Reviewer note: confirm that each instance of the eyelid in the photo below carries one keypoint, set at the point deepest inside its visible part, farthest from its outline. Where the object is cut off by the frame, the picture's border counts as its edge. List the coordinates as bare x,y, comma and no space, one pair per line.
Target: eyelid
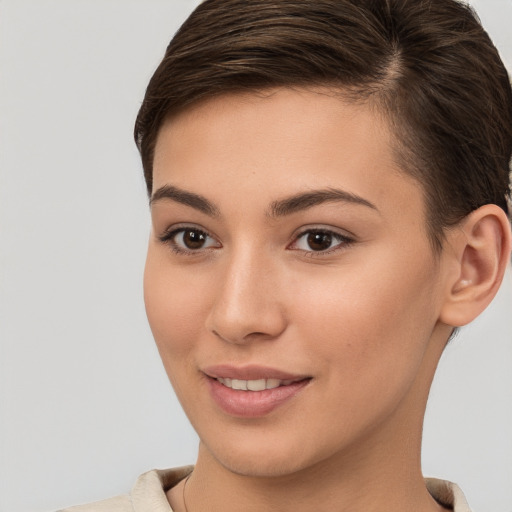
345,239
167,237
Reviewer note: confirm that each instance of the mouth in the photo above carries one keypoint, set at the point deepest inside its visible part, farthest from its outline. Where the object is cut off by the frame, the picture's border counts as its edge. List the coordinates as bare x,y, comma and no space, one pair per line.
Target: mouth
255,385
252,391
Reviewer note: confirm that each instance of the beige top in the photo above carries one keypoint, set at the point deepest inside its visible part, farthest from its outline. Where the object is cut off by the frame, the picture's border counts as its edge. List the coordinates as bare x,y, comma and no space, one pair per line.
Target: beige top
148,494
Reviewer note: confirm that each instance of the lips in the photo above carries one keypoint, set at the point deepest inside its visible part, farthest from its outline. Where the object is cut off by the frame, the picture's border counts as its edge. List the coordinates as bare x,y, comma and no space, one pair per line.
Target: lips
252,391
250,372
253,385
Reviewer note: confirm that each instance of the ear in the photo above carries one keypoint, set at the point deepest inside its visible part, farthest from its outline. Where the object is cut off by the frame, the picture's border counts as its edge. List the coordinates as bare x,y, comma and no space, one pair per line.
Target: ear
477,259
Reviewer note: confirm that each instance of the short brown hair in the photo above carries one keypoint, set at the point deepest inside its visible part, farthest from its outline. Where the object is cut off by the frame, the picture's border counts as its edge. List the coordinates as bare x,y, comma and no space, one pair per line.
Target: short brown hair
428,65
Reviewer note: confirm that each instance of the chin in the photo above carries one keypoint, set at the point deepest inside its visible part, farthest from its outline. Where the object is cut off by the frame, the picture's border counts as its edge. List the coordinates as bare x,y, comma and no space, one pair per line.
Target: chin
263,460
260,466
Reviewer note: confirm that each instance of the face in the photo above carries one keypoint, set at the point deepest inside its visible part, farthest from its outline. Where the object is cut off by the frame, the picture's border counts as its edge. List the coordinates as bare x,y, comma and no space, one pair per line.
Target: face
290,256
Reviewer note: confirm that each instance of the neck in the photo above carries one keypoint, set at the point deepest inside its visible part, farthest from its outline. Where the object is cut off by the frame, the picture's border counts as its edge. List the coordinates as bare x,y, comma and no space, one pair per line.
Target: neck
362,480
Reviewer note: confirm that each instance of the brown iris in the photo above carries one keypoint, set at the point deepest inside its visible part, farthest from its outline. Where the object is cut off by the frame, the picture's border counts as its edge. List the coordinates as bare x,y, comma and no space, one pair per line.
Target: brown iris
193,239
319,241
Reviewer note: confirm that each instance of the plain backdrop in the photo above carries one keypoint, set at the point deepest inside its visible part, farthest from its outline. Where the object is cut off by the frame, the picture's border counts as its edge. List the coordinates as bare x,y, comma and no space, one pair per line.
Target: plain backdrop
85,404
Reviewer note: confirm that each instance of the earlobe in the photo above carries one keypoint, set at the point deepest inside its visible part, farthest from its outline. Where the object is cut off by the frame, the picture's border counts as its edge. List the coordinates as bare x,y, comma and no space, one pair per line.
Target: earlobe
481,251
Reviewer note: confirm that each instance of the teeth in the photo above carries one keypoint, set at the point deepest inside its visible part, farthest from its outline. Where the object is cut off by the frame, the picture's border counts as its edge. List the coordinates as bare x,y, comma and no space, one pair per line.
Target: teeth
239,384
273,383
256,385
253,385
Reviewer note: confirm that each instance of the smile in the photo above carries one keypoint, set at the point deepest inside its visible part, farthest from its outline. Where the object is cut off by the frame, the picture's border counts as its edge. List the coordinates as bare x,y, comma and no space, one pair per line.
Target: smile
252,391
253,385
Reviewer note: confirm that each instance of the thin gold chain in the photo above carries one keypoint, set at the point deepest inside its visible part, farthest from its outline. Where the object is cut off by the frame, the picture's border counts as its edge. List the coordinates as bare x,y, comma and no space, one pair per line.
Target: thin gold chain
185,485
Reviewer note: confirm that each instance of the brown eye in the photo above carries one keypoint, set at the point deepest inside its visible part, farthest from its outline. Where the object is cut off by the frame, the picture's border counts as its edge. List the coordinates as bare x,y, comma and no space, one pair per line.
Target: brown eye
189,240
193,239
319,241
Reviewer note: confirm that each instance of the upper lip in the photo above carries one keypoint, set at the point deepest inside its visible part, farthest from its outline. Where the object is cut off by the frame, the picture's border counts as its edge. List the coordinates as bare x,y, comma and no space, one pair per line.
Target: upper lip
250,372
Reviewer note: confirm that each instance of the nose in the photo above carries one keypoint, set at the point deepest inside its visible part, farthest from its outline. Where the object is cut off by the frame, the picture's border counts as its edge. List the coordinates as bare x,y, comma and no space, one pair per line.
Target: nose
247,303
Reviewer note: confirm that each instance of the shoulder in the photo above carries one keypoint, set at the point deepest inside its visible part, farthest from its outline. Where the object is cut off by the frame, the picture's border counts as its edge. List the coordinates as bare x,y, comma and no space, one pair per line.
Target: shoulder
117,504
447,494
147,495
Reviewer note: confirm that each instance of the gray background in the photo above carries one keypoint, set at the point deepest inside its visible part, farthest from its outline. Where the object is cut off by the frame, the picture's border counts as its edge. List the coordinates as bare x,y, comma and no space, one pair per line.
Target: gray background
85,405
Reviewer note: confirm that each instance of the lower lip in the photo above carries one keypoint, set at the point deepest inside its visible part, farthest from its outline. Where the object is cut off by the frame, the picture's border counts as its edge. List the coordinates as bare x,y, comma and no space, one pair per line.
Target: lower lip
252,404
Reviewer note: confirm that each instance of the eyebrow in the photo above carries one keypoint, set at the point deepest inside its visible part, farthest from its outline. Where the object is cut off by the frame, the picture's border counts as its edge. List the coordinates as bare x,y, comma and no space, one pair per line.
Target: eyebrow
279,208
195,201
306,200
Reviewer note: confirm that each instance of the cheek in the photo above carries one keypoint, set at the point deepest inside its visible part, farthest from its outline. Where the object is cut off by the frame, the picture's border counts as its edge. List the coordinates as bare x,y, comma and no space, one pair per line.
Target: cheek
373,323
174,307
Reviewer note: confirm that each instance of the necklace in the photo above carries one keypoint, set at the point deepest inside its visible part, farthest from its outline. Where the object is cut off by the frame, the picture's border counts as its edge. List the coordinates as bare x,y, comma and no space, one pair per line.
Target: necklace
183,496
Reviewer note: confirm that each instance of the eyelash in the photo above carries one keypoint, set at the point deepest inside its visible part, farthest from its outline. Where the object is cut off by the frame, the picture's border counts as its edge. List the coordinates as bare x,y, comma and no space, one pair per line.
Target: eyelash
343,241
169,238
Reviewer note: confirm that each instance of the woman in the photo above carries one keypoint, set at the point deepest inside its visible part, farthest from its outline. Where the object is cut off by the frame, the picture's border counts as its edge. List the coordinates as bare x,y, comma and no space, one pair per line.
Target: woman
328,185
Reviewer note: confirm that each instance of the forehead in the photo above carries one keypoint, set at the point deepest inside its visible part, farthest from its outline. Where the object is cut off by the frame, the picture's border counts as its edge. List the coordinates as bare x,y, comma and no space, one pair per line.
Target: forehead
282,142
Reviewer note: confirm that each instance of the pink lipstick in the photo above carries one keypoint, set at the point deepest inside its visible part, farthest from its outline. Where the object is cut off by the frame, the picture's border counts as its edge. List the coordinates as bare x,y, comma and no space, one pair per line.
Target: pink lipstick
252,391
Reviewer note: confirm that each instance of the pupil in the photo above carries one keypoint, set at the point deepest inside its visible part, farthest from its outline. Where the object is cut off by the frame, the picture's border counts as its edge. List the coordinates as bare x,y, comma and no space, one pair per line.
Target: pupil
193,239
319,241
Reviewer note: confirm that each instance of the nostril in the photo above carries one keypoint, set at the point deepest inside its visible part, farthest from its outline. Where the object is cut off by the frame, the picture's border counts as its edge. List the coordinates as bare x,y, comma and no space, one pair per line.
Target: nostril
238,320
258,335
246,338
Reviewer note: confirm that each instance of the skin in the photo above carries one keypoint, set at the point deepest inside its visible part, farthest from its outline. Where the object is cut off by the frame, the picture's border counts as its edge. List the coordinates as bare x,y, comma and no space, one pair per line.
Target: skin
365,319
